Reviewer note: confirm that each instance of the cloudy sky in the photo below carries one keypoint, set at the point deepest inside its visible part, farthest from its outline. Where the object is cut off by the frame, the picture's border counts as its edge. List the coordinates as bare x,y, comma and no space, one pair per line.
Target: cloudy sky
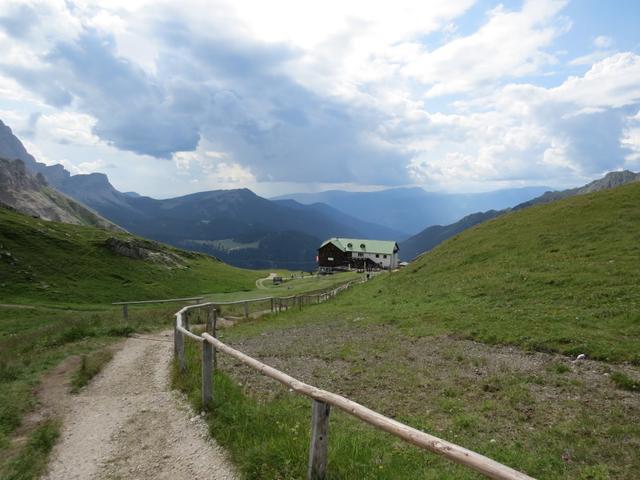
172,97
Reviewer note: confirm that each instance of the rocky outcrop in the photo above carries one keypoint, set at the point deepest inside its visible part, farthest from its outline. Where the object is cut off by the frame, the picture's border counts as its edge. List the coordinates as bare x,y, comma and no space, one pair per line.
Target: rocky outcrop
139,249
610,180
30,194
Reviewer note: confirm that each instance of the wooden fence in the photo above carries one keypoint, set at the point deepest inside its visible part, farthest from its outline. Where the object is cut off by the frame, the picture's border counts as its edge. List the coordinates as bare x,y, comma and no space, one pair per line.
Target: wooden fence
322,401
125,305
282,304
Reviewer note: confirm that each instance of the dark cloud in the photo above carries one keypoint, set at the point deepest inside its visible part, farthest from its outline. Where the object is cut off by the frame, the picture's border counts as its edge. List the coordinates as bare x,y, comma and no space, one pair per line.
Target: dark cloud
134,111
231,90
592,139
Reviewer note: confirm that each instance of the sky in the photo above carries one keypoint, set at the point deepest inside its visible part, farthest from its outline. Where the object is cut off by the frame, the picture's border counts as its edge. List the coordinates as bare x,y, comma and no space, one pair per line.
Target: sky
174,97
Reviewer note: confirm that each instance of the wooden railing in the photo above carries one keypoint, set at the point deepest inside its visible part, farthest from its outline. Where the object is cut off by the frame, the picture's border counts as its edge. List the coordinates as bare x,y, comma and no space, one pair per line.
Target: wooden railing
281,304
125,305
322,401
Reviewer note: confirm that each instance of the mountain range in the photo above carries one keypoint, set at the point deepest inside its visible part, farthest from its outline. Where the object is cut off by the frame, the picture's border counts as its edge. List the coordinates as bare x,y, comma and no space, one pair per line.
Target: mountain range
247,230
432,236
411,209
30,194
236,226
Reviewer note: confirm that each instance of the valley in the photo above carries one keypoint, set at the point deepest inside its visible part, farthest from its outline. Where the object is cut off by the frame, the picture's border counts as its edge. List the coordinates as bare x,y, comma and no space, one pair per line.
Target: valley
323,240
517,339
513,334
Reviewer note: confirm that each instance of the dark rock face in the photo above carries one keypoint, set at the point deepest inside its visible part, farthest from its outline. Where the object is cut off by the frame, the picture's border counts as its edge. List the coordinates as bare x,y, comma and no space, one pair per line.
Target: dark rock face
12,148
144,250
14,176
30,194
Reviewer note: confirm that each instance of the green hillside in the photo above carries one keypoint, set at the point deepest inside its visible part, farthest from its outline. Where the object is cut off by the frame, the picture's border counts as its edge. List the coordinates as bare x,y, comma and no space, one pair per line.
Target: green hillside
55,262
560,277
469,343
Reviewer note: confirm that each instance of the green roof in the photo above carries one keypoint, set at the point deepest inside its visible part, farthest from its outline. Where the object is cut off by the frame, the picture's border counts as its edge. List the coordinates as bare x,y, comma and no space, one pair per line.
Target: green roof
386,247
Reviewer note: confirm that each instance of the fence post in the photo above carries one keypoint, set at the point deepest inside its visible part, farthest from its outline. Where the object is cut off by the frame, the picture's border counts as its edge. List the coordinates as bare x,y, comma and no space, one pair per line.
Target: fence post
271,304
318,447
300,302
185,320
125,311
180,350
214,334
211,318
207,375
246,310
175,340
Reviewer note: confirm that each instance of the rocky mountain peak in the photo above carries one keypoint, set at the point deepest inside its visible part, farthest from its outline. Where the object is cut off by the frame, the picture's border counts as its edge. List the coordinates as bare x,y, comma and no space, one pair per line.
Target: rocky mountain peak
14,176
611,180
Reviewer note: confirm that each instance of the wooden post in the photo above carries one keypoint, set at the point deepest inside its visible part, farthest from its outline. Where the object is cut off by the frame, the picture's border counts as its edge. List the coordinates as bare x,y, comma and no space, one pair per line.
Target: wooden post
180,349
318,447
214,334
246,310
185,320
125,311
300,302
271,304
211,316
175,341
207,375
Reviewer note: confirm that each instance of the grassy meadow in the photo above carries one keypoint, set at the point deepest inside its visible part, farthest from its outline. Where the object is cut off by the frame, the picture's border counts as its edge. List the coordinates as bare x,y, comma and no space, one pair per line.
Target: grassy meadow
475,342
51,262
57,282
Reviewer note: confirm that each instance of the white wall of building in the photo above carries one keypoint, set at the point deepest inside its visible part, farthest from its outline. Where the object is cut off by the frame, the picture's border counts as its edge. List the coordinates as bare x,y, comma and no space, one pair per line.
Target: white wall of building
390,262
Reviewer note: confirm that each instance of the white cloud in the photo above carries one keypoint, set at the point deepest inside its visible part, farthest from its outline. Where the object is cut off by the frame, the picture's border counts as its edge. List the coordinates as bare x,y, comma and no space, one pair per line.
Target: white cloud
590,58
212,169
286,91
630,140
528,133
611,83
68,127
602,41
509,44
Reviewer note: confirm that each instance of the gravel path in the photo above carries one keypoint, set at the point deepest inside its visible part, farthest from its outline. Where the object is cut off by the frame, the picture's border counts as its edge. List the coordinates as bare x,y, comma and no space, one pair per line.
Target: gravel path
129,424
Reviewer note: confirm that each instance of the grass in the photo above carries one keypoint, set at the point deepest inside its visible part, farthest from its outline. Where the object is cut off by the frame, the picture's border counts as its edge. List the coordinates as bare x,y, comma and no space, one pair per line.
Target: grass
527,410
72,315
625,382
467,343
31,462
90,365
270,440
50,262
543,279
470,343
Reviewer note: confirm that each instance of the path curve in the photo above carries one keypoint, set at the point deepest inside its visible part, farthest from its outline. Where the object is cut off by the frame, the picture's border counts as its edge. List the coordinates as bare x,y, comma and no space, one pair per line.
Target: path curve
129,424
260,284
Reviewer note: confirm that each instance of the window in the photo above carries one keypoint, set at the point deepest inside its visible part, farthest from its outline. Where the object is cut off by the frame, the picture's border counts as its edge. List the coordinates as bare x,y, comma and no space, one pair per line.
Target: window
384,256
362,246
377,255
349,245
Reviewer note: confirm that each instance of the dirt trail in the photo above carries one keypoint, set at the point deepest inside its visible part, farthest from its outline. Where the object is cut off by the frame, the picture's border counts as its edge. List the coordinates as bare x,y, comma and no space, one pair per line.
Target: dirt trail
129,424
